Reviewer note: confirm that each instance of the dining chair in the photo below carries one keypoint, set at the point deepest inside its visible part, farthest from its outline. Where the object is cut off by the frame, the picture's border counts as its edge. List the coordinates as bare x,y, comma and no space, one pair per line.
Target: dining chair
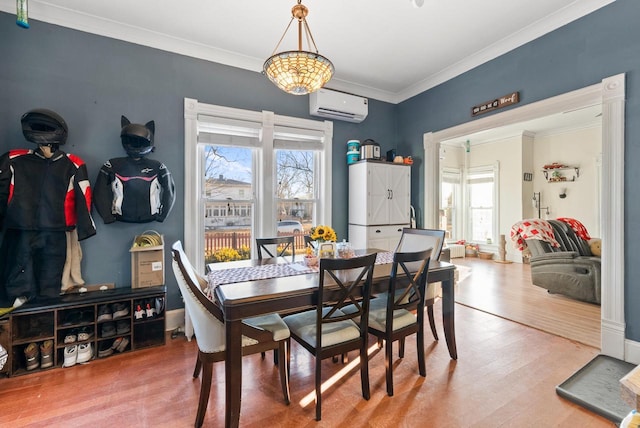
413,240
259,334
326,331
404,307
282,243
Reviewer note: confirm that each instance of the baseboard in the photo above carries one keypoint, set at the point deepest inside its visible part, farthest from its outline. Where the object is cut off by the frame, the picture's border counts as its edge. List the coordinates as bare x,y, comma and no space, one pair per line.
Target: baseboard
175,319
632,351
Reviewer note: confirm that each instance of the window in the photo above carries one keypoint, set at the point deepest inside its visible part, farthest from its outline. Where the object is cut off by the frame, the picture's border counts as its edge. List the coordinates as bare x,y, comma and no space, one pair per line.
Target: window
248,170
450,200
482,212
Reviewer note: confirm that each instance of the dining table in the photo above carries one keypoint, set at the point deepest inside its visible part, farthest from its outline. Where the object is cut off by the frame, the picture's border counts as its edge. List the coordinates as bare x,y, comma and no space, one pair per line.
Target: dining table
249,288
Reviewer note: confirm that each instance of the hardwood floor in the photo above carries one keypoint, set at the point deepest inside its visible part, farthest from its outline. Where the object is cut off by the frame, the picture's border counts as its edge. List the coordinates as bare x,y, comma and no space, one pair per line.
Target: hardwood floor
506,290
505,376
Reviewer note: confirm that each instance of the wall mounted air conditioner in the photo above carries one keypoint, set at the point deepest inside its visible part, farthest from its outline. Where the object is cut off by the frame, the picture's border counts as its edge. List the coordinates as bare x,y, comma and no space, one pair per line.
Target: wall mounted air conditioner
338,105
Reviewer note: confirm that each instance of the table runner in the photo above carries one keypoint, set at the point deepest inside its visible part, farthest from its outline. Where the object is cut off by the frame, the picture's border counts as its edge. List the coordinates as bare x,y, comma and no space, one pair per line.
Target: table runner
253,273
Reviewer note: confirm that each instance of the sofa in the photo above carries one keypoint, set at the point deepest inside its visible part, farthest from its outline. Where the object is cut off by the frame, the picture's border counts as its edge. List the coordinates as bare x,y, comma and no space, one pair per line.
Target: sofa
565,266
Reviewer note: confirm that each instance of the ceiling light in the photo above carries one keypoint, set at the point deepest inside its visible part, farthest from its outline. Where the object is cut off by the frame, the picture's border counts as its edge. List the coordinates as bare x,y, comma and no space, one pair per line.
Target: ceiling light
416,3
299,72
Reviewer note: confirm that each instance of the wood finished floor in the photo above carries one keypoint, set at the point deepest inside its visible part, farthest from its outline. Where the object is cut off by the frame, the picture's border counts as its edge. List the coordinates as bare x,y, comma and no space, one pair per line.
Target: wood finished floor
505,376
506,290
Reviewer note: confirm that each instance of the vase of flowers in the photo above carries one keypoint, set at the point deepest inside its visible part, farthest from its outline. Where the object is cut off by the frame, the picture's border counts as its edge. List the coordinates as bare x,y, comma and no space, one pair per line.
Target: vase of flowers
325,240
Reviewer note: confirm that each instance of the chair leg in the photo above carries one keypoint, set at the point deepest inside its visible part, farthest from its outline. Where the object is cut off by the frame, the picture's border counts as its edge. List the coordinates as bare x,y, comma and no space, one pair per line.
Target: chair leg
388,359
318,388
401,348
275,357
283,369
364,370
432,321
196,370
420,343
205,389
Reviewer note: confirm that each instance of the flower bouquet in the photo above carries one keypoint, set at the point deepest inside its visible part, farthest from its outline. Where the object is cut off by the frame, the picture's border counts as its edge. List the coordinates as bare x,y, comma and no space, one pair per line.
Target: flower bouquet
325,240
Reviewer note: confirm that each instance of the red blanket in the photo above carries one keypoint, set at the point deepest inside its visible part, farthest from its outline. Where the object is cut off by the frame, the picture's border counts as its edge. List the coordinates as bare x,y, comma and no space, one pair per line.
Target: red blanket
534,228
577,227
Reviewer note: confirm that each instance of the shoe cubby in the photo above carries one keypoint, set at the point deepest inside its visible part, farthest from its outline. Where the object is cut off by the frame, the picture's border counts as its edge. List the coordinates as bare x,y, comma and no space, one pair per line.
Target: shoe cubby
78,328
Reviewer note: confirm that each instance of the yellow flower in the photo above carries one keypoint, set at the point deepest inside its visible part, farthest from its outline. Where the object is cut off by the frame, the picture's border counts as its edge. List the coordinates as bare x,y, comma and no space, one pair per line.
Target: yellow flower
324,233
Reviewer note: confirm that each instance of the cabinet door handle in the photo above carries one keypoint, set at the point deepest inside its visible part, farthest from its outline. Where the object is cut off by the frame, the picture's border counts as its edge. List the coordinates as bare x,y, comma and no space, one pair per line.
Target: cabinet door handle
391,193
378,231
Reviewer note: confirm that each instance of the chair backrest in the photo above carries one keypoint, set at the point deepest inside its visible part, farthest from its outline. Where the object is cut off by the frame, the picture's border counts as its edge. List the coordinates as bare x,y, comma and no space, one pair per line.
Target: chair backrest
344,282
283,244
413,240
206,316
414,282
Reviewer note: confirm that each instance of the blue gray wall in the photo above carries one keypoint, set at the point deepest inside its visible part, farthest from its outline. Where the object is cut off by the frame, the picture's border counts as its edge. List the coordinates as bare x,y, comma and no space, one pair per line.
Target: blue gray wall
582,53
92,80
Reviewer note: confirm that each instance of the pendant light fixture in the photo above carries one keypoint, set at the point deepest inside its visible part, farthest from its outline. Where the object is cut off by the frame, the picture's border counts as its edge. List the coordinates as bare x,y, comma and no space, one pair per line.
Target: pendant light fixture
299,72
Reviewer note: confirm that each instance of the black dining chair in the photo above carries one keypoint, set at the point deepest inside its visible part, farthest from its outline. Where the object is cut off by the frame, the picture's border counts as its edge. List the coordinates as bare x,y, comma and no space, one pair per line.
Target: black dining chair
283,244
327,331
404,306
413,240
259,333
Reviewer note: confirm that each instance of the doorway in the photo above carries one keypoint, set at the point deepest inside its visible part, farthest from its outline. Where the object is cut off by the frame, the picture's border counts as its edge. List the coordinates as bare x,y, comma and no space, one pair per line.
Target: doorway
610,94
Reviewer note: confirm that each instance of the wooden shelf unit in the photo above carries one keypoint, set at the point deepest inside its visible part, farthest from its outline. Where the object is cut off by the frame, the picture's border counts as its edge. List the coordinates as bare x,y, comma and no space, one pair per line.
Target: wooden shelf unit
54,318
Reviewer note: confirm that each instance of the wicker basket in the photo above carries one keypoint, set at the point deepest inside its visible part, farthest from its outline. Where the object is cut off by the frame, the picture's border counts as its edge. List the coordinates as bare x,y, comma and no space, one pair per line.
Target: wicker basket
485,255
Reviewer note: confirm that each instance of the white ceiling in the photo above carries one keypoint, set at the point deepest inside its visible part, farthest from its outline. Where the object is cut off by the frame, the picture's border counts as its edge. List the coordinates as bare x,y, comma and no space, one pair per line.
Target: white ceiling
389,50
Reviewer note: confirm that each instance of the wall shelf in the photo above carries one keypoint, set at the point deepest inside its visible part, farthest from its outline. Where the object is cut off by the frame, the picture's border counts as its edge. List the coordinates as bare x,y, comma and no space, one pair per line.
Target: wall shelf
560,174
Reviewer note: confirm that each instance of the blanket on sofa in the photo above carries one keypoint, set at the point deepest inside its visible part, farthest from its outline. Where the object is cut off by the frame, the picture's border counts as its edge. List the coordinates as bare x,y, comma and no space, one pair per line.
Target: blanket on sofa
577,227
534,228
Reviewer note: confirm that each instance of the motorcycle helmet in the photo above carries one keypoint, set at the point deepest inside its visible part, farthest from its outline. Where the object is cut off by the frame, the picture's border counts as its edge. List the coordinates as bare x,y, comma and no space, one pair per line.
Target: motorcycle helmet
42,126
137,139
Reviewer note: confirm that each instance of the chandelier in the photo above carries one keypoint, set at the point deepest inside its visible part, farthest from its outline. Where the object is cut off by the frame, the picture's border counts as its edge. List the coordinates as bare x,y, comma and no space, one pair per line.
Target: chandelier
299,72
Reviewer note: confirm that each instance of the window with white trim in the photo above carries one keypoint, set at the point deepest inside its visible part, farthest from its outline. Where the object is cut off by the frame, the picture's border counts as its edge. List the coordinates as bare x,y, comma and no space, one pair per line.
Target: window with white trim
450,201
482,212
237,163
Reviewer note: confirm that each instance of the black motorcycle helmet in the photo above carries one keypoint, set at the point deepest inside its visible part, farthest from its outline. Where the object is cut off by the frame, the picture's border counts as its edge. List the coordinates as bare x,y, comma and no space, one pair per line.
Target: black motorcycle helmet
137,139
42,126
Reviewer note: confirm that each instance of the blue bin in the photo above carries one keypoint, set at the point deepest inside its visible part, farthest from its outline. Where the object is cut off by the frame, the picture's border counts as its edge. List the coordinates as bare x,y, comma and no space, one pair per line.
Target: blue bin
352,157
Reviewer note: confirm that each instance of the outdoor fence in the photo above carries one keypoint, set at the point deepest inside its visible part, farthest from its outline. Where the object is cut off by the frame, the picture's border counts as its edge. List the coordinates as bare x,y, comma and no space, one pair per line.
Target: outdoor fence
215,240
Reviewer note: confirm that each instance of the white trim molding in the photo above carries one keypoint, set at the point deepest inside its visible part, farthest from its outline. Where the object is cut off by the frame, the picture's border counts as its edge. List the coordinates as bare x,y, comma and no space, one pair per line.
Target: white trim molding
611,94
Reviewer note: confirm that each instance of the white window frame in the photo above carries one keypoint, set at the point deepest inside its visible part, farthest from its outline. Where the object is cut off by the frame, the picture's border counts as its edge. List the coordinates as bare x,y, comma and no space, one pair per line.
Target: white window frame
454,176
265,221
494,170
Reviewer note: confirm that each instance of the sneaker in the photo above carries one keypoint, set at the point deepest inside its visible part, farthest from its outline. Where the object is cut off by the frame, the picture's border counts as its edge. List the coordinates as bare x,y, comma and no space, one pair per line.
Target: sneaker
139,313
85,333
120,310
4,357
70,355
85,352
46,354
32,356
123,327
108,329
105,349
123,344
104,313
150,310
71,337
116,343
159,305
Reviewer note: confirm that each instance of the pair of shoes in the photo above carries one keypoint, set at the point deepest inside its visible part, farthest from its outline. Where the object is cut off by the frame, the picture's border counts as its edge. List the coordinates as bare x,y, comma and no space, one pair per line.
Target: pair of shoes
32,356
70,355
123,327
46,354
108,329
71,318
147,309
85,352
120,344
120,310
85,333
105,313
105,349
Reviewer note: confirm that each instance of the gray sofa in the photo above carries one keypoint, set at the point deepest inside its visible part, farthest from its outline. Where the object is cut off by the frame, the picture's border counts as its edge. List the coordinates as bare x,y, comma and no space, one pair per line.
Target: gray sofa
570,270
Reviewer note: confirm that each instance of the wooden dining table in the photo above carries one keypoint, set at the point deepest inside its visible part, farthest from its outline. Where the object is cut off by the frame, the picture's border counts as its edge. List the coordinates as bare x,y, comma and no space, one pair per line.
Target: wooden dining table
240,300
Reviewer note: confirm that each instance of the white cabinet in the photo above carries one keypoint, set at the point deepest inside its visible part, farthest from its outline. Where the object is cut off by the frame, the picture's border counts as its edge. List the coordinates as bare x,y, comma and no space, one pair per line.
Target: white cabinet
379,193
379,204
381,237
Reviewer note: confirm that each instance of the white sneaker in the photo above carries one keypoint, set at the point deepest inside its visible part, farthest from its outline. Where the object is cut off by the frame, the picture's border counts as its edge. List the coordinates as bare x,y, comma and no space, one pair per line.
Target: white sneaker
70,355
85,352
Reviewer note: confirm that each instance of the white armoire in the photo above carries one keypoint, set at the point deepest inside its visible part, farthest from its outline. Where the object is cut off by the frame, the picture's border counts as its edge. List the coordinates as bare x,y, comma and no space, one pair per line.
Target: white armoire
379,203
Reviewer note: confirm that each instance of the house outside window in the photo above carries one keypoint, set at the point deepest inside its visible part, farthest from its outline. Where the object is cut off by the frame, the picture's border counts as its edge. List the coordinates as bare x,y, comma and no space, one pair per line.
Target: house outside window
482,215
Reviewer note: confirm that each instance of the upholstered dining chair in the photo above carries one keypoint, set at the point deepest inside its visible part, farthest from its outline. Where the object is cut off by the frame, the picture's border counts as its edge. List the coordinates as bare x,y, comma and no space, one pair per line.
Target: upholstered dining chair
259,334
413,240
405,309
282,243
326,331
